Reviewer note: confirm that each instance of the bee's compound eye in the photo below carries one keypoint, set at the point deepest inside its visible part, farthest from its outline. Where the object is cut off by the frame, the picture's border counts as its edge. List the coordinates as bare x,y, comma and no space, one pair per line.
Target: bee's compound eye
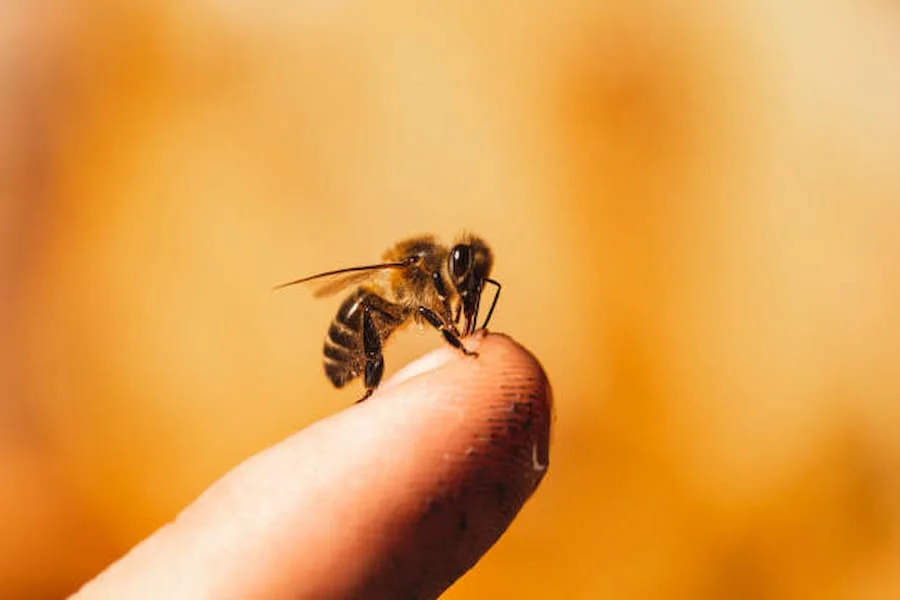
460,261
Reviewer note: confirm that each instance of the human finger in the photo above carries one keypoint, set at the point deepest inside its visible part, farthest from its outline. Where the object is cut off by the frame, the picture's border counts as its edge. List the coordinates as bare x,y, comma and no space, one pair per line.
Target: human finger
395,497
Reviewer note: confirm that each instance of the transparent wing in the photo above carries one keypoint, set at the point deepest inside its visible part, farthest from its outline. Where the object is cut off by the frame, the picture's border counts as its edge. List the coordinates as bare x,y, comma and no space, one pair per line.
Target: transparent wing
326,286
332,282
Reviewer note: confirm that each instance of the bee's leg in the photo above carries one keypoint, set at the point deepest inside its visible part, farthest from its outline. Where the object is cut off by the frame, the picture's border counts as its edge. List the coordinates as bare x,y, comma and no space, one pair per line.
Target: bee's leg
372,348
438,281
449,335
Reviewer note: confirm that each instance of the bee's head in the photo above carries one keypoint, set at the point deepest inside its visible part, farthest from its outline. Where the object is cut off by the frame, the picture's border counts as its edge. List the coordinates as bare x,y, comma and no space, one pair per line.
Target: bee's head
468,264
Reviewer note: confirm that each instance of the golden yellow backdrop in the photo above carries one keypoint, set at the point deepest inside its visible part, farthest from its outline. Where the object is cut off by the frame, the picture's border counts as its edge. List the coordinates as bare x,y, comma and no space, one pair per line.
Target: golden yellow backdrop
695,212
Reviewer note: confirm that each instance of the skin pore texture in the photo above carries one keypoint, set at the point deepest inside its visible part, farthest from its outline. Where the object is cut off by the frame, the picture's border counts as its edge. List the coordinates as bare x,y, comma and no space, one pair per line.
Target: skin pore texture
395,497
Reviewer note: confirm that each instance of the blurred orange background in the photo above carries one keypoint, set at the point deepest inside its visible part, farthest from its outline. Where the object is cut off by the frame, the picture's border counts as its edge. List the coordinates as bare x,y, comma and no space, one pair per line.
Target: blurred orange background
695,212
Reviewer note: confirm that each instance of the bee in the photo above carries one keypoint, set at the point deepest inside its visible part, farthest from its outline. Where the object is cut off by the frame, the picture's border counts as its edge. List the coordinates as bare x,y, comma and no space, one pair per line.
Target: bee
419,281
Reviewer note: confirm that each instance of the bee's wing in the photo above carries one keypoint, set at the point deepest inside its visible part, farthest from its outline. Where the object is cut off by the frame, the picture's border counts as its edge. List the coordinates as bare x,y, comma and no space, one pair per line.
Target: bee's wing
332,282
326,286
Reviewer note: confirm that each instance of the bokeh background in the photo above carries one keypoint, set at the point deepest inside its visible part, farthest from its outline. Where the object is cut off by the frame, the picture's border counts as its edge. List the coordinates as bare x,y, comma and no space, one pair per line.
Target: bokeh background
695,209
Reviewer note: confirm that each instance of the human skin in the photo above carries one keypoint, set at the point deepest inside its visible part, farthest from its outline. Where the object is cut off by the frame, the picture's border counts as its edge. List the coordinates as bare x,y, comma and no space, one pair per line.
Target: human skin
395,497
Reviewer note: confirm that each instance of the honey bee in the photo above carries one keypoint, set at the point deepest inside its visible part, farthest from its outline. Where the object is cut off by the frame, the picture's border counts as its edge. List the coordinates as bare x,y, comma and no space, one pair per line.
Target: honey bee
420,280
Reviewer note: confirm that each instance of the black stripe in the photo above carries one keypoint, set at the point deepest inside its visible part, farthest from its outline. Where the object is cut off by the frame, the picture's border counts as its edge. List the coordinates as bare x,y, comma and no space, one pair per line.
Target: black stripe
337,353
345,317
341,335
339,373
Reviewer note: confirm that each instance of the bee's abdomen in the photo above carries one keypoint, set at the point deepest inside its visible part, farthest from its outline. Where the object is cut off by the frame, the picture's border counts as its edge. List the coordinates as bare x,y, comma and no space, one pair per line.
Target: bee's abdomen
344,354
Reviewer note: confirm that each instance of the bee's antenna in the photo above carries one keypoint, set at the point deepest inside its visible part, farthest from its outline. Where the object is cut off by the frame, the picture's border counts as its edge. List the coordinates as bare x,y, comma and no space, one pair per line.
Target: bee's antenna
393,265
493,302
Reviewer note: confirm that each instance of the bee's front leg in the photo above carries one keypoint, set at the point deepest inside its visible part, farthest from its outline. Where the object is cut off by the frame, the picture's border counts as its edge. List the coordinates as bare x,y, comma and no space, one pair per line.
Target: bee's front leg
449,335
438,282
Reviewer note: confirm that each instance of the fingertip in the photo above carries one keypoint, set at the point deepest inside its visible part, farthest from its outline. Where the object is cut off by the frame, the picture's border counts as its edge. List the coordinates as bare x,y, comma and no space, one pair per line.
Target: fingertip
507,390
503,390
482,448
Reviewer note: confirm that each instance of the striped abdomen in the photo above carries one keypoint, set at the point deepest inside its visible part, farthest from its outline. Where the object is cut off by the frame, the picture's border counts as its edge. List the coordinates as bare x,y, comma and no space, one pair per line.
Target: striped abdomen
345,356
